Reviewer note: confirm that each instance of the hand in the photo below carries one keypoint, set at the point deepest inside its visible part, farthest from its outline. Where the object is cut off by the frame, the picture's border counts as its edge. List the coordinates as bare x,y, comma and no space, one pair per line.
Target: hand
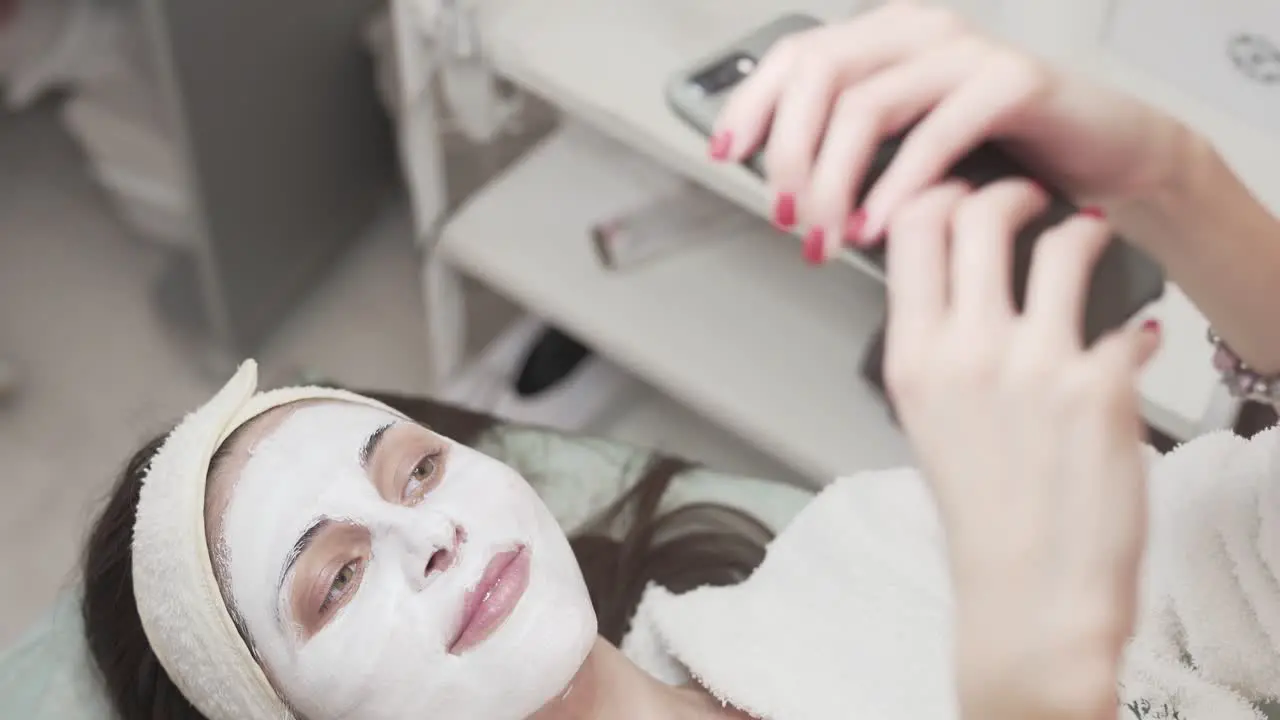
829,96
1031,443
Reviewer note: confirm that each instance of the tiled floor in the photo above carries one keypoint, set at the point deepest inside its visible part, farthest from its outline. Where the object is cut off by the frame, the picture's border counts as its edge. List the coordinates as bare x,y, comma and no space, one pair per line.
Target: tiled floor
100,374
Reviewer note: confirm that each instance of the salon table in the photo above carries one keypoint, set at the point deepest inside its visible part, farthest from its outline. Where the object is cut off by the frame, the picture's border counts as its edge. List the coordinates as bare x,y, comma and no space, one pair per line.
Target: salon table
739,330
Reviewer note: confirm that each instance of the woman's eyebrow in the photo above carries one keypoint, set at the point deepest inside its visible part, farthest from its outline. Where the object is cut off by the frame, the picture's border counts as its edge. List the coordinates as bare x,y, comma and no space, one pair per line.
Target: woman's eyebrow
304,541
371,443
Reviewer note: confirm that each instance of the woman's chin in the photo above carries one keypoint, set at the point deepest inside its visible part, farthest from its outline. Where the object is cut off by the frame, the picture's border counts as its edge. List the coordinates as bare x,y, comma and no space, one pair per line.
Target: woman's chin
562,657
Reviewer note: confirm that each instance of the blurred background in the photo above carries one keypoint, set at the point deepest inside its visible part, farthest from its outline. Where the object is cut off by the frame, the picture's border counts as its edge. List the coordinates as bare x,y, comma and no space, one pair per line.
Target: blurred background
130,271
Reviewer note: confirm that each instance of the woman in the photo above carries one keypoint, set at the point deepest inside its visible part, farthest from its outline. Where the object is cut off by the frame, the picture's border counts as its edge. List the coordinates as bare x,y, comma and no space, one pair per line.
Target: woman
313,554
616,569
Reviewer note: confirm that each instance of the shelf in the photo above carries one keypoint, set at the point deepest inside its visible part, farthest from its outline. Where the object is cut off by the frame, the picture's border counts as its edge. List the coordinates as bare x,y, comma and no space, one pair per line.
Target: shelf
541,46
1095,38
736,327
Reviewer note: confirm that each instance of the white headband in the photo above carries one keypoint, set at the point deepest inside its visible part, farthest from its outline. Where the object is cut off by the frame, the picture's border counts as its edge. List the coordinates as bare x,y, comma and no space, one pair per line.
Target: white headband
182,611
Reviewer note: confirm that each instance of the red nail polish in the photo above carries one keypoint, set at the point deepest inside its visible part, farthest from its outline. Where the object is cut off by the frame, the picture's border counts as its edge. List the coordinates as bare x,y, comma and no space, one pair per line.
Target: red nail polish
853,227
1094,212
814,247
1151,325
720,144
784,211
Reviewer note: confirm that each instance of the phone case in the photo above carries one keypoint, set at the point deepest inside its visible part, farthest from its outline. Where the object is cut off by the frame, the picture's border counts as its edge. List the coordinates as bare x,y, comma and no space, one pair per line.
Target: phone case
1125,279
699,109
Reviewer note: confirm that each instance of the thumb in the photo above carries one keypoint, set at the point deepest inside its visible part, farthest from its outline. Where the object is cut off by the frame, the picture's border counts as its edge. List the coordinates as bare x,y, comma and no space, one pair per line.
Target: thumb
1125,353
1146,342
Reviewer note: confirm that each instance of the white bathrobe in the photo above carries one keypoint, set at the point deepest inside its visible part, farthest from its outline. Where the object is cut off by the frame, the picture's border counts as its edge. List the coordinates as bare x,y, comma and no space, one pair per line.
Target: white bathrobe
849,615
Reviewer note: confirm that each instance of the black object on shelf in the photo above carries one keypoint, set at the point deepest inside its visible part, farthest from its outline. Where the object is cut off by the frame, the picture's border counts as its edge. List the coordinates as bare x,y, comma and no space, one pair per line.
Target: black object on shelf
553,357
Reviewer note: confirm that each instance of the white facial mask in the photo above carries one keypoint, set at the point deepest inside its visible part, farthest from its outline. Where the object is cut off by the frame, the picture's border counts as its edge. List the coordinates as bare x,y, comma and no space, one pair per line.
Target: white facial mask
384,655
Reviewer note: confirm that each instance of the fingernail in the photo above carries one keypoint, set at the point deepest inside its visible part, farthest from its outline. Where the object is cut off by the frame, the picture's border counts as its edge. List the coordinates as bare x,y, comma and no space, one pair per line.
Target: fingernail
720,144
784,210
1150,342
814,247
853,227
1094,212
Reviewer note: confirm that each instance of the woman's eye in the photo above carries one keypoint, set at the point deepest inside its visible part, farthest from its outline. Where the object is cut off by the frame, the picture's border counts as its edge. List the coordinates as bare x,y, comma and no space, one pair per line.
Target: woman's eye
343,583
420,480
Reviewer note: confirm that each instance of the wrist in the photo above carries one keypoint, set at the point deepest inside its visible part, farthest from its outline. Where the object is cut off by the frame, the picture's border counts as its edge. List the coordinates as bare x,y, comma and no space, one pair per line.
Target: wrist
1003,676
1165,210
1217,242
1027,660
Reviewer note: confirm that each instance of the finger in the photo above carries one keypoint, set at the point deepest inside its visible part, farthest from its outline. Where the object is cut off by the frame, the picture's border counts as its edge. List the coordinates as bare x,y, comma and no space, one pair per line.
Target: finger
1150,339
864,115
1000,85
916,265
855,48
985,229
1118,357
1113,366
744,120
1061,271
1143,341
799,122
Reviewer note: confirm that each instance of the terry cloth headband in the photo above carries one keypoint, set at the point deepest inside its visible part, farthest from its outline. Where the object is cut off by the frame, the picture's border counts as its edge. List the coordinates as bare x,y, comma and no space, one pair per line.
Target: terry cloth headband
181,607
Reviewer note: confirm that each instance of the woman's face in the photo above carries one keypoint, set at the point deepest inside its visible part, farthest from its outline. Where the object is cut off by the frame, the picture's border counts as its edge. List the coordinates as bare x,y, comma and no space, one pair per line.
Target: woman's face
383,571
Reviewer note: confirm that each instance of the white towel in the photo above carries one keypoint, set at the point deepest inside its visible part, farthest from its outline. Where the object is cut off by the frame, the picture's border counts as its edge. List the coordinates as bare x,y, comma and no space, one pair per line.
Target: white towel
1208,638
849,615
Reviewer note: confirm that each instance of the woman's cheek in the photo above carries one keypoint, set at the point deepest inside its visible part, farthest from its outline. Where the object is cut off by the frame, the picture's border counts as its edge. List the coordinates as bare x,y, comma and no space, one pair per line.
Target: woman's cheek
366,648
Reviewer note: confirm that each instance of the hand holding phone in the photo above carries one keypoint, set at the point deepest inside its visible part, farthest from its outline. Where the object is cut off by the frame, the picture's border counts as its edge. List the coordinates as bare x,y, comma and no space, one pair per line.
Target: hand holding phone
1125,279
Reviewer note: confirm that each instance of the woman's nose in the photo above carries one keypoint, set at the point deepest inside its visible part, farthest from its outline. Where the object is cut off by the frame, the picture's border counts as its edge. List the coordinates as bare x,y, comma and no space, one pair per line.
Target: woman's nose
444,558
432,545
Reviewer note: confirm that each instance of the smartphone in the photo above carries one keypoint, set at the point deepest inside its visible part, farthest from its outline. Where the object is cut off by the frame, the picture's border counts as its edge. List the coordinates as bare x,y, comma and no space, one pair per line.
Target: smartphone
1125,279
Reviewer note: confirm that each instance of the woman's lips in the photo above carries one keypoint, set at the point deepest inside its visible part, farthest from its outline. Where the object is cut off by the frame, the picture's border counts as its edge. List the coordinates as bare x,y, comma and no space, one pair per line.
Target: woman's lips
490,603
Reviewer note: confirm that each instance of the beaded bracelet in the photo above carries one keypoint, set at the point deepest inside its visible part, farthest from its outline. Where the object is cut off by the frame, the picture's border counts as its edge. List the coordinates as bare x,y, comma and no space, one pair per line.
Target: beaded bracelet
1242,381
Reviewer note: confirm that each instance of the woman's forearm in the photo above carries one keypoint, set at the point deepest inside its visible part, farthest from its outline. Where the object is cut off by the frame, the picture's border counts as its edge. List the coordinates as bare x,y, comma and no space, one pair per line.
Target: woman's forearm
1220,245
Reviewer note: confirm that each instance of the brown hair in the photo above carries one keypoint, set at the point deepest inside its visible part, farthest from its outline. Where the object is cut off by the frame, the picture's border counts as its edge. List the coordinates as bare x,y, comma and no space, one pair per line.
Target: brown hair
628,546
